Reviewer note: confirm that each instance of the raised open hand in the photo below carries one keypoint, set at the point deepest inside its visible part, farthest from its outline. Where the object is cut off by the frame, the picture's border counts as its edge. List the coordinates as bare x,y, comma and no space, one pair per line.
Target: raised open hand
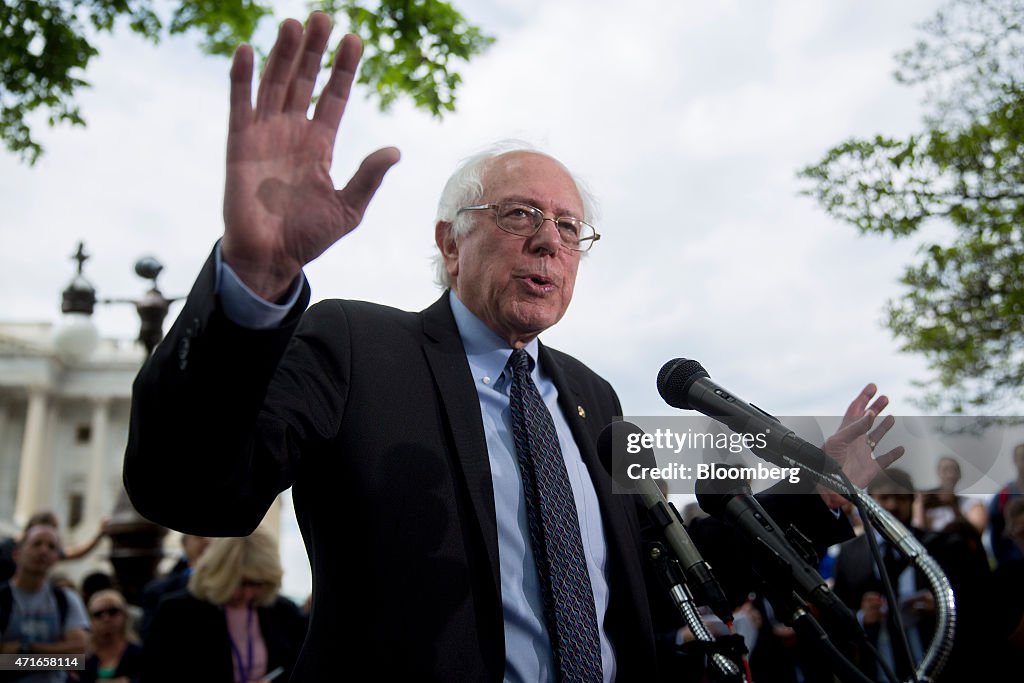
853,444
281,209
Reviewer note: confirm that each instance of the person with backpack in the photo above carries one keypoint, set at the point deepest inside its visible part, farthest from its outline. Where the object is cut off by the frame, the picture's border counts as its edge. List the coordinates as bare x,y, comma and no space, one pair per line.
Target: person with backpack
36,617
49,518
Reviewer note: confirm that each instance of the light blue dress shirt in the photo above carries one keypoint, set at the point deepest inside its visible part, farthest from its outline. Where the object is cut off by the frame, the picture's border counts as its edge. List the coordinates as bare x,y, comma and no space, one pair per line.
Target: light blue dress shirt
528,654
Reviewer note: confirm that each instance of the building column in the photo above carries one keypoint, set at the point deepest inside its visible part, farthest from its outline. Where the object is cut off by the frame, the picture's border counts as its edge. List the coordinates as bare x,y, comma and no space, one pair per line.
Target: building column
7,466
5,409
30,469
50,495
97,499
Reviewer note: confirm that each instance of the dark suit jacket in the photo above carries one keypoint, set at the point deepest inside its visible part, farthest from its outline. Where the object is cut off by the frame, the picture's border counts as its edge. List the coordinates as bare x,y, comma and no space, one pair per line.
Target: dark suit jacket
370,414
855,575
130,666
962,560
189,641
156,590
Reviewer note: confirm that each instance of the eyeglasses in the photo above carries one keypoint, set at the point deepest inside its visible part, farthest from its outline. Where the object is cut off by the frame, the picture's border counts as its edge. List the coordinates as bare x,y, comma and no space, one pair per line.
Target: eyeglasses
525,220
253,583
106,612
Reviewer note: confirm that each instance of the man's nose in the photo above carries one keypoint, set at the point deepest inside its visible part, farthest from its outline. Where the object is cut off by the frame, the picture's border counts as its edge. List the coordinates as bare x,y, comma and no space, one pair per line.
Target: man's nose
546,238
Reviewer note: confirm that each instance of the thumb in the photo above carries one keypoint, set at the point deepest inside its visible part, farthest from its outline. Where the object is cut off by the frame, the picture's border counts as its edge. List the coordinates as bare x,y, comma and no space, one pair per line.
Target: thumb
356,195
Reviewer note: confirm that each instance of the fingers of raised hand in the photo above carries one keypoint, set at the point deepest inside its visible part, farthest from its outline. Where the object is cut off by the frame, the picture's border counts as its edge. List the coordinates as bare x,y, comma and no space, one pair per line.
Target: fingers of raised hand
859,404
880,404
306,65
274,83
880,431
889,458
241,88
289,78
334,97
883,460
852,429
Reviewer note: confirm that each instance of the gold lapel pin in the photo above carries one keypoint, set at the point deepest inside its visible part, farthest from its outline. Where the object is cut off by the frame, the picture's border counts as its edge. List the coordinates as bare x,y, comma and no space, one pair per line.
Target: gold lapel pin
583,413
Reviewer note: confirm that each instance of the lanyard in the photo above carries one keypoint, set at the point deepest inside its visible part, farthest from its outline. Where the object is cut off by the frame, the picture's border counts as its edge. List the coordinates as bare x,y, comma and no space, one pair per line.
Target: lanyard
244,669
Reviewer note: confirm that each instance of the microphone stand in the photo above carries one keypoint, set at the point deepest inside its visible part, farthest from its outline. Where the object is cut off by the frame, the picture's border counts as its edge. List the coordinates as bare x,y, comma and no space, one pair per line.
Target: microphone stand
721,655
779,587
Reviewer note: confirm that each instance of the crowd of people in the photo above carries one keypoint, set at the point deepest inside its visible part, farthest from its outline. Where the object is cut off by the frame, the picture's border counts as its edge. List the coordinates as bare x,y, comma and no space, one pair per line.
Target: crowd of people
975,540
217,615
220,602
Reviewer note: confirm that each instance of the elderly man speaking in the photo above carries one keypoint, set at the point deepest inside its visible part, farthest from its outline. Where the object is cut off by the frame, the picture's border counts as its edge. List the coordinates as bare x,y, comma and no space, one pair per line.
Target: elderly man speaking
443,463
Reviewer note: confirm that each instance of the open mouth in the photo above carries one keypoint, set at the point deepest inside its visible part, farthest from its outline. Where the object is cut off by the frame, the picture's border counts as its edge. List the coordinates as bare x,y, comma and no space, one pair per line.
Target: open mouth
537,282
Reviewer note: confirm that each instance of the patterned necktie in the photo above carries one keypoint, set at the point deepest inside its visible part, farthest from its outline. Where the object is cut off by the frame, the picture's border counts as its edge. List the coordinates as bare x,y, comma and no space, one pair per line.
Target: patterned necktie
554,532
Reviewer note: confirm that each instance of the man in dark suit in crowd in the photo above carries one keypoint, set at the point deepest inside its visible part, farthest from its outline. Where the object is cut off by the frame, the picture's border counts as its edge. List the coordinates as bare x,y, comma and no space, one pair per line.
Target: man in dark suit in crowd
443,463
960,556
176,579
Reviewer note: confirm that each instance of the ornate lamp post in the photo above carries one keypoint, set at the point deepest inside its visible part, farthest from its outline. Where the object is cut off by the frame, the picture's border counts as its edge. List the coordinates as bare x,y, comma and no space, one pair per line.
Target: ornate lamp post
77,337
136,543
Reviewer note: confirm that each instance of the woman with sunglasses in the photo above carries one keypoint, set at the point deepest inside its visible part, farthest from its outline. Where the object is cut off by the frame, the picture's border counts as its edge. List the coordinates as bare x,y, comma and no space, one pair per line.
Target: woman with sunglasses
116,656
230,625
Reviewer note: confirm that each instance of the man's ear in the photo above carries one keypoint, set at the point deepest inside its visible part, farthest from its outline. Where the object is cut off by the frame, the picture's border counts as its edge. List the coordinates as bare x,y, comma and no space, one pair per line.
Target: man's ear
445,240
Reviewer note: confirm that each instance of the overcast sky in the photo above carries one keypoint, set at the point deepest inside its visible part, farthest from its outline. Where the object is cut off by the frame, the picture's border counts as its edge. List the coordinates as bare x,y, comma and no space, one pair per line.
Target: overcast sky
688,120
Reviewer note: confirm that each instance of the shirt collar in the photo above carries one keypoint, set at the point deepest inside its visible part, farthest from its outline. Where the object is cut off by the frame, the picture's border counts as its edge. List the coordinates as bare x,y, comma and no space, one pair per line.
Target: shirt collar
484,348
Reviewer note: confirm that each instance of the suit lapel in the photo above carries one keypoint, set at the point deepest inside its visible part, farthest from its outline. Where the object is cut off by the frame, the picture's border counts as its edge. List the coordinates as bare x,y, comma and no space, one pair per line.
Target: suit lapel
447,360
579,415
625,570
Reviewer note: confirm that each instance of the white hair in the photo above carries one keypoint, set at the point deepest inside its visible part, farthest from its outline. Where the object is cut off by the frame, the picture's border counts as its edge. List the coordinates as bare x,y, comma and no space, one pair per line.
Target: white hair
465,187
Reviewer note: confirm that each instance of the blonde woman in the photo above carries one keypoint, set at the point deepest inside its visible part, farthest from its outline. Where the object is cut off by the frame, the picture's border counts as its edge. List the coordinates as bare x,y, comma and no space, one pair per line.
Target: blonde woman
230,624
116,654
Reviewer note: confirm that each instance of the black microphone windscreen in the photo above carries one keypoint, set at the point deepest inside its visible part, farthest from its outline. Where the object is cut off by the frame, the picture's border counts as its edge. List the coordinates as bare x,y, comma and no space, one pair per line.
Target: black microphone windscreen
617,453
714,494
675,378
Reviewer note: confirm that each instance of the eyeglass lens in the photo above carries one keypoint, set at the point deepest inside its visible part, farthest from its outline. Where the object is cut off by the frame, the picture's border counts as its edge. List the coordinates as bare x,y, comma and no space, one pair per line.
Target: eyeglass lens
523,219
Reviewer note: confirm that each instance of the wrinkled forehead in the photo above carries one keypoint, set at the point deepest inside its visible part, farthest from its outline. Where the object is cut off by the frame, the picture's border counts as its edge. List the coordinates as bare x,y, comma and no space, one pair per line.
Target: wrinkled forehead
532,177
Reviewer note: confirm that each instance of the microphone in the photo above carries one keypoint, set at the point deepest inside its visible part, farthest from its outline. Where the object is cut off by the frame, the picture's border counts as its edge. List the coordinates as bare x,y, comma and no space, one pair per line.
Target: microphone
732,500
614,438
684,383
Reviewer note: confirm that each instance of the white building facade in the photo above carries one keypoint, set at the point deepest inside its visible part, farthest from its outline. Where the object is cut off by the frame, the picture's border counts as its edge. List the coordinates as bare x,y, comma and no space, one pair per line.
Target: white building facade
63,430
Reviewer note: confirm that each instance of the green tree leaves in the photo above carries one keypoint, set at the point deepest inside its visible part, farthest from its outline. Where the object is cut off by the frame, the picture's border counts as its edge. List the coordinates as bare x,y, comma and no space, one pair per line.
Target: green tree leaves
412,48
963,306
